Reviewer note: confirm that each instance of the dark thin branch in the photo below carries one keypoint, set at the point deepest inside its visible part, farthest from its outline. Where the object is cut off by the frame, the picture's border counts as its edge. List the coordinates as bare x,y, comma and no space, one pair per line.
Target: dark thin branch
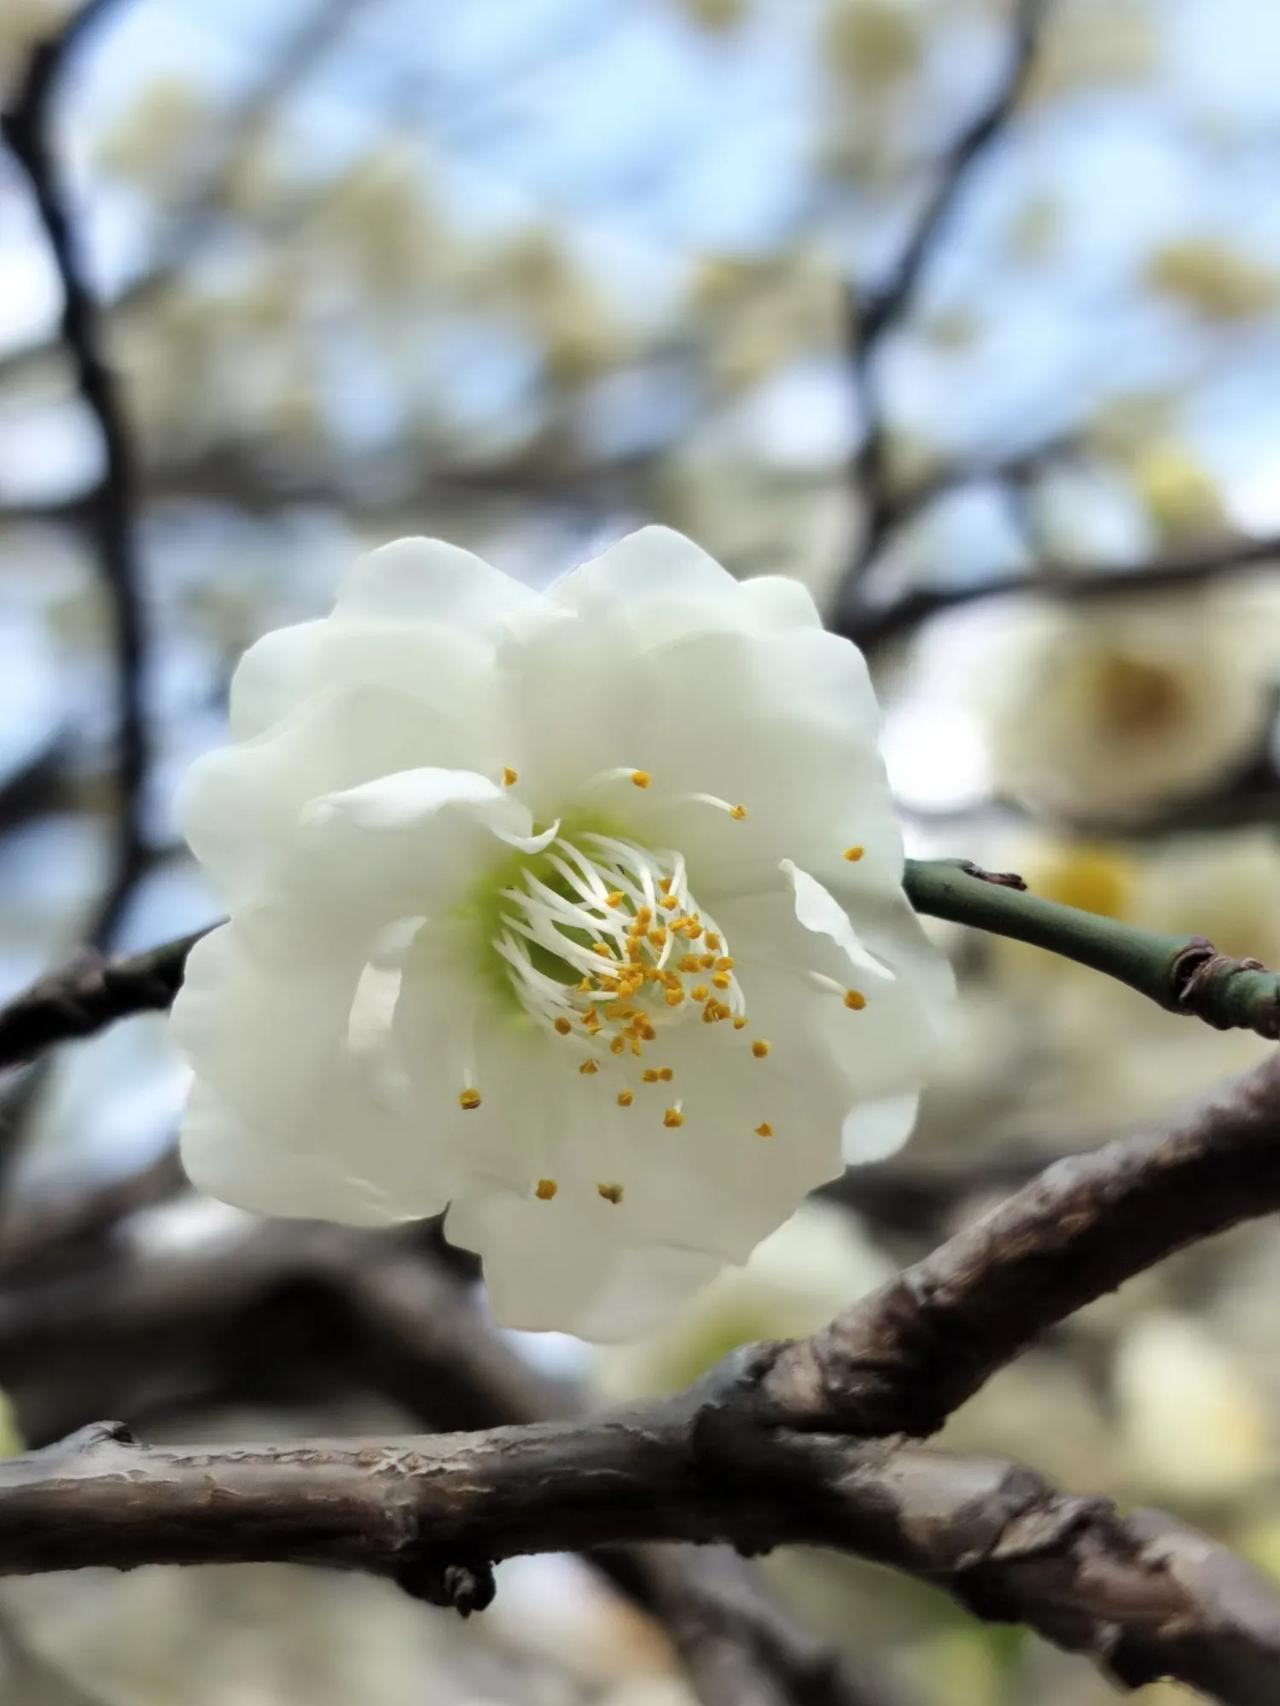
905,1358
874,313
872,625
27,128
1142,1596
89,993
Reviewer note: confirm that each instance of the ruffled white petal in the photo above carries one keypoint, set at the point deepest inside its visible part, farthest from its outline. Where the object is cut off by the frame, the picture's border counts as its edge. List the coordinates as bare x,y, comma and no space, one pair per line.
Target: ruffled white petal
429,580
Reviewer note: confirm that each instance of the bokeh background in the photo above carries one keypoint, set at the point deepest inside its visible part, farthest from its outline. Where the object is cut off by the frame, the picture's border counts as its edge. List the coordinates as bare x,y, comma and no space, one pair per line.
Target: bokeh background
965,313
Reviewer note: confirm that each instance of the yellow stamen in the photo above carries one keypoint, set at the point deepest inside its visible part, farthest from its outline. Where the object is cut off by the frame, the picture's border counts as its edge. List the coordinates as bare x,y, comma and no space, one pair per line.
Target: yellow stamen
672,1118
759,1048
738,812
641,778
563,1026
722,980
853,854
650,1075
855,999
617,1045
669,901
699,992
469,1099
738,1023
509,776
764,1129
625,1098
545,1189
610,1193
588,1067
713,942
674,997
724,963
666,1074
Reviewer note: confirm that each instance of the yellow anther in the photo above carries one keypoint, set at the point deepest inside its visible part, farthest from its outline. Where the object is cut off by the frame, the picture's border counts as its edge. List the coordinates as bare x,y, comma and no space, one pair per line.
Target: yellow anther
722,980
759,1048
610,1193
563,1026
738,812
699,992
617,1045
724,963
625,1098
641,778
585,986
615,899
591,1022
669,901
706,961
674,997
764,1129
666,1074
650,1075
469,1099
738,1023
589,1067
657,937
689,962
602,948
853,854
664,885
647,1031
714,943
643,916
709,1013
509,776
719,1009
672,1118
545,1189
855,999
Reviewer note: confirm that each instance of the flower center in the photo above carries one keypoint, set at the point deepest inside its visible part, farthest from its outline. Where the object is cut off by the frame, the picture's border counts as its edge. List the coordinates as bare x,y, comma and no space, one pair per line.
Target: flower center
605,944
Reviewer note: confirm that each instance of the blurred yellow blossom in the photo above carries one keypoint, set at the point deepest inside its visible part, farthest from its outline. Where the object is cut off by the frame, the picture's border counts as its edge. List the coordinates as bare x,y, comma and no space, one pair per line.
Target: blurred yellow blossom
715,15
1095,43
1214,280
154,141
1179,494
872,42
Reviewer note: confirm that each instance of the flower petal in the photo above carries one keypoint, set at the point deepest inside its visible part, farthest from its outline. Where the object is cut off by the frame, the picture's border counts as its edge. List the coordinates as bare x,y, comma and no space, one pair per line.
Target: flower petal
430,580
281,1095
240,806
412,843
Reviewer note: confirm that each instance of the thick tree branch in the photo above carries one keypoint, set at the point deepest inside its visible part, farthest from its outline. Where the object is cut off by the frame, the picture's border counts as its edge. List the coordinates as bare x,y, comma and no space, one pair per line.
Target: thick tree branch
1143,1596
905,1358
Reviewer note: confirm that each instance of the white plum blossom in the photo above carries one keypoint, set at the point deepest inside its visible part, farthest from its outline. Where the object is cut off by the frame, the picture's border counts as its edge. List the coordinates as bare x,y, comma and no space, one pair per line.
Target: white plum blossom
578,914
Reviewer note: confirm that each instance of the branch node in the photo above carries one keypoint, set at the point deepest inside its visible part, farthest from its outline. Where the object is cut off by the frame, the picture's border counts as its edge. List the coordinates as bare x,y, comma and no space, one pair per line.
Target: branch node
999,879
461,1585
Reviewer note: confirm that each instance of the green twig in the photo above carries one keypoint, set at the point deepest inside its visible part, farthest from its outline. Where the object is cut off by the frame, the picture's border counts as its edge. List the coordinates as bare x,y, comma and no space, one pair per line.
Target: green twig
1183,974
